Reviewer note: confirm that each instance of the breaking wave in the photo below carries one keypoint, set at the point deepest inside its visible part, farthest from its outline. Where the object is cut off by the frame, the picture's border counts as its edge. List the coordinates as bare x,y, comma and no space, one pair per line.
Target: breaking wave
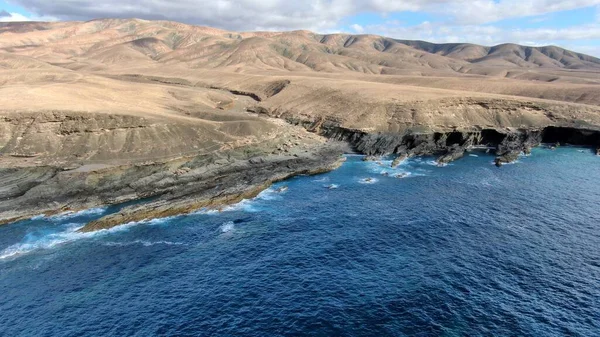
44,240
227,227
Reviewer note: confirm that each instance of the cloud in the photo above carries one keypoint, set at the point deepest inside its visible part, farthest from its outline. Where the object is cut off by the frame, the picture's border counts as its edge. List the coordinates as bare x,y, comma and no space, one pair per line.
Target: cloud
357,28
285,14
487,11
6,16
590,50
486,34
12,17
490,35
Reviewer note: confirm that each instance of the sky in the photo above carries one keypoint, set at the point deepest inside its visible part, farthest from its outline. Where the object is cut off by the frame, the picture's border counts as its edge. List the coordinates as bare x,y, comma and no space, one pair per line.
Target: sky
571,24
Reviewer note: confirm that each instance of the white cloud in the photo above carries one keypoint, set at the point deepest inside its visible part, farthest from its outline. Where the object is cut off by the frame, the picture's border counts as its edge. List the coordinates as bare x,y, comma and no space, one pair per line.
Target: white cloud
357,28
17,17
590,50
285,14
493,35
486,11
12,17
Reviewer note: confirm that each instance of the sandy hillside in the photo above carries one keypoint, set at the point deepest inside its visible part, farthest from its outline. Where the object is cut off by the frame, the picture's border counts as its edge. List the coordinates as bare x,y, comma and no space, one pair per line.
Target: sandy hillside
137,90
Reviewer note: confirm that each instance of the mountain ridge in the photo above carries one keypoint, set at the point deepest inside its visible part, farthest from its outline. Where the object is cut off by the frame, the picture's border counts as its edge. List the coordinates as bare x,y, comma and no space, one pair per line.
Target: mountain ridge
341,52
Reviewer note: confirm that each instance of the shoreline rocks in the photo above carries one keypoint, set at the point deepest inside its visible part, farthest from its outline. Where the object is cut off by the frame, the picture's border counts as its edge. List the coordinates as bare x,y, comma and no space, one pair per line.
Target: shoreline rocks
49,190
189,183
207,199
399,159
507,158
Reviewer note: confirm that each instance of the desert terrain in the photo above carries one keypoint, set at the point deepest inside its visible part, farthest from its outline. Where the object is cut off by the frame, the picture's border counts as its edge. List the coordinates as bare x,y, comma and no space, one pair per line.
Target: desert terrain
113,110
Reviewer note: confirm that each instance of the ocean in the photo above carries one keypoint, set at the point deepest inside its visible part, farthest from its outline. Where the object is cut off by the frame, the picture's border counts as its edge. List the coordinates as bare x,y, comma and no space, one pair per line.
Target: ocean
468,249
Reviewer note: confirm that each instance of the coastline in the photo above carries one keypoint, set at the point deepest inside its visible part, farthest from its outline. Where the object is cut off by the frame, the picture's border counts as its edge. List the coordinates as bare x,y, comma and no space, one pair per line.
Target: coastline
166,208
171,187
185,185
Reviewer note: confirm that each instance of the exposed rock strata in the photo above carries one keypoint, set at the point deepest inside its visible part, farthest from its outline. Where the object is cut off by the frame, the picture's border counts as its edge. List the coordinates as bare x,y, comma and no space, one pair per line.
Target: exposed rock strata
207,179
451,145
228,188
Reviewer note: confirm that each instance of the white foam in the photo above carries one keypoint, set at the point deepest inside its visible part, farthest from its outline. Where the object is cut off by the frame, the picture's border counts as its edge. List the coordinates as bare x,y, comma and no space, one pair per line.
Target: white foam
332,186
402,175
71,214
509,163
227,227
368,180
52,240
435,163
245,205
473,155
270,194
159,221
143,243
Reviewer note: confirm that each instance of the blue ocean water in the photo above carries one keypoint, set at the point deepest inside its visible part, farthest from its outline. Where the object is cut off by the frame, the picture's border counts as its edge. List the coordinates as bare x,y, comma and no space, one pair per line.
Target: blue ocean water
462,250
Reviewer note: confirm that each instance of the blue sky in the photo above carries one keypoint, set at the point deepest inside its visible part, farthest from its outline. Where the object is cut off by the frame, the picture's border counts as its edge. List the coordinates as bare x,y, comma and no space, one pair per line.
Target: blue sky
571,24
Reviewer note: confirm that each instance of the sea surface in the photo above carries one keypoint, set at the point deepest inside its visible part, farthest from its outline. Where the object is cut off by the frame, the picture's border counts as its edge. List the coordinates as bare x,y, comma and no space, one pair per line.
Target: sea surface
463,250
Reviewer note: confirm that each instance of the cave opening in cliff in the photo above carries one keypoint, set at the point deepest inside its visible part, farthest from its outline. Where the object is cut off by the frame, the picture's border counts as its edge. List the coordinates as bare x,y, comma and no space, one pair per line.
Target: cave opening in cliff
566,135
491,137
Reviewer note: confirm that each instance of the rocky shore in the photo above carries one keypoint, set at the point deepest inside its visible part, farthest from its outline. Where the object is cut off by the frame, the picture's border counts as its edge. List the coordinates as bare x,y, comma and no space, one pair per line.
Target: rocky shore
186,184
224,187
174,186
451,145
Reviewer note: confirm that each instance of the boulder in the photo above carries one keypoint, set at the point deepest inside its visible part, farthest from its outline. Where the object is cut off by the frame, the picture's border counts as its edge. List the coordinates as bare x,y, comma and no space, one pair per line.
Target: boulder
506,158
399,160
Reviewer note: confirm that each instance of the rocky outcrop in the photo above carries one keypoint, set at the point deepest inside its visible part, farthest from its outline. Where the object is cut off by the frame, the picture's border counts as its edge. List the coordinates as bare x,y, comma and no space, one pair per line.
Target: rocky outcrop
398,160
452,145
371,158
515,143
453,153
208,179
229,188
506,158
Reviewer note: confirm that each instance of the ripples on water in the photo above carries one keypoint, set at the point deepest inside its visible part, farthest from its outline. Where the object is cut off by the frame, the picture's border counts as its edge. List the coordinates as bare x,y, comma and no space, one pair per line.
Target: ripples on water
464,250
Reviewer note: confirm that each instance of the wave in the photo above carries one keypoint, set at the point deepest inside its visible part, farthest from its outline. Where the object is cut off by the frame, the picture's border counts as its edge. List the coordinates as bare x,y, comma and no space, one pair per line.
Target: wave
32,243
245,205
368,180
509,163
435,163
143,243
71,214
159,221
227,227
271,193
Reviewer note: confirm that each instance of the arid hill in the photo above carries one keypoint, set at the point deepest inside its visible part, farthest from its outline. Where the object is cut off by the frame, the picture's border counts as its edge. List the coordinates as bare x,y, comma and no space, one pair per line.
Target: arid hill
98,96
